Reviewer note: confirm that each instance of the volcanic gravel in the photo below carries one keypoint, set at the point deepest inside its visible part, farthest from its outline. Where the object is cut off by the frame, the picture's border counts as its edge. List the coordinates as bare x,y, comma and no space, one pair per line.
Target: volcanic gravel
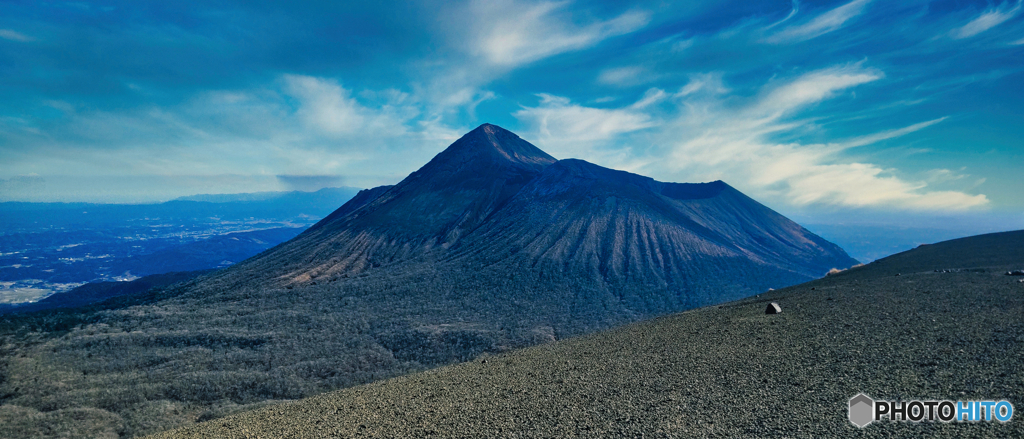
896,329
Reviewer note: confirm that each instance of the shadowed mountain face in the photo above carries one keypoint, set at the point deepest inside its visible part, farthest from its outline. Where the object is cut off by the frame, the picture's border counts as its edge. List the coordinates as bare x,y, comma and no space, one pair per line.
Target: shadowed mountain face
494,200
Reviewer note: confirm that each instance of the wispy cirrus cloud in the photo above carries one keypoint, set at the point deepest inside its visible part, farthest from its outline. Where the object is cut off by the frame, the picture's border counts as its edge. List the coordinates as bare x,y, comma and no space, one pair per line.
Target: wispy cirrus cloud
558,118
943,176
817,26
704,82
626,76
812,88
12,35
511,33
739,146
330,108
989,19
792,13
566,129
890,134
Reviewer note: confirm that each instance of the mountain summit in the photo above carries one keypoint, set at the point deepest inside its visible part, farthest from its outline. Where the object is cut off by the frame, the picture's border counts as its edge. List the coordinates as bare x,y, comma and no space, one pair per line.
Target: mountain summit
495,144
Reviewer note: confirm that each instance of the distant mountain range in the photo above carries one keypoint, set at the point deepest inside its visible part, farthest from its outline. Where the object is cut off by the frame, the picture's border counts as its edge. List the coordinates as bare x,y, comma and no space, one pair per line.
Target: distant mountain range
52,247
18,216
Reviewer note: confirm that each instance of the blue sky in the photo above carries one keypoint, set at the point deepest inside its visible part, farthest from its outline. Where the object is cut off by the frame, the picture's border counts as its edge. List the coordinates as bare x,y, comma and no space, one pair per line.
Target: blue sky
830,110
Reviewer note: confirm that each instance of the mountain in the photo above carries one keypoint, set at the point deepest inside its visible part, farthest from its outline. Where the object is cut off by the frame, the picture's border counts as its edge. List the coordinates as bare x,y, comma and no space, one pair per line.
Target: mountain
494,200
947,328
491,246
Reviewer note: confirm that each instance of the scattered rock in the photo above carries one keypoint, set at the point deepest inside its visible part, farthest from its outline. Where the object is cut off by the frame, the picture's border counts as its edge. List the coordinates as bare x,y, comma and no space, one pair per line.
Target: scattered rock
773,308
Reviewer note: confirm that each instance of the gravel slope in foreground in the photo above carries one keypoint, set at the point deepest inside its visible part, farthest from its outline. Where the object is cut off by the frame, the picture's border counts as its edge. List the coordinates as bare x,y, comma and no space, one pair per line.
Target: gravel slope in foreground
727,370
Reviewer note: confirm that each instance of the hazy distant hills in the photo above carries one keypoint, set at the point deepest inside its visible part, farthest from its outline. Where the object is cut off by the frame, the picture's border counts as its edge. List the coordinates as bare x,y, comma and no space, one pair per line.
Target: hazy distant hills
22,216
490,246
947,328
46,247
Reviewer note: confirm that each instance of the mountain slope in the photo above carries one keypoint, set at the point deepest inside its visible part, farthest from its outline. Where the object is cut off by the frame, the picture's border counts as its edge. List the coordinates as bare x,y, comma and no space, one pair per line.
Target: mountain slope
723,371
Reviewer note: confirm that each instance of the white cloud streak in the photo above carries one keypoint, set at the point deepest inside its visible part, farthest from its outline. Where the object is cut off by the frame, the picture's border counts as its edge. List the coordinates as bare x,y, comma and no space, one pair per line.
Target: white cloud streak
792,13
331,109
987,20
8,34
812,88
738,145
626,76
510,33
565,129
820,25
891,134
703,82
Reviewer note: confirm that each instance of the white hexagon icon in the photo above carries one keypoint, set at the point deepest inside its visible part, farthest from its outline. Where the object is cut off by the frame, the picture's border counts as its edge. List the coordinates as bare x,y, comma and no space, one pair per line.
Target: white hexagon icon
861,410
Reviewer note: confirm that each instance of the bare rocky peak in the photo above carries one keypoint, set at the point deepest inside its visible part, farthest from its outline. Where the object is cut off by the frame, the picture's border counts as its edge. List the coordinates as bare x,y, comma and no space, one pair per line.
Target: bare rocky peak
493,143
